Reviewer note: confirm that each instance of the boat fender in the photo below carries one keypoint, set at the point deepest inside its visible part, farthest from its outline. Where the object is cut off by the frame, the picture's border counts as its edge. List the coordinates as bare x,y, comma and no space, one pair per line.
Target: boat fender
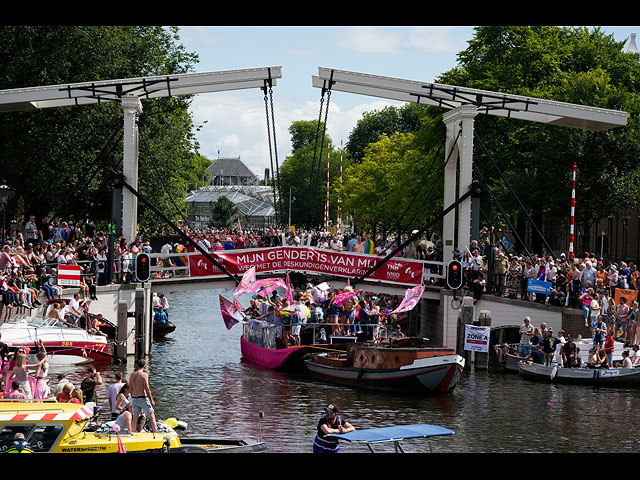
554,372
360,374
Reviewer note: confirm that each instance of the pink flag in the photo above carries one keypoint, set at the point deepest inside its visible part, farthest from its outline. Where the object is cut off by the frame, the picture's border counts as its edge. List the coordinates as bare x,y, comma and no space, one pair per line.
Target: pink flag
248,278
411,299
340,298
268,285
230,313
287,294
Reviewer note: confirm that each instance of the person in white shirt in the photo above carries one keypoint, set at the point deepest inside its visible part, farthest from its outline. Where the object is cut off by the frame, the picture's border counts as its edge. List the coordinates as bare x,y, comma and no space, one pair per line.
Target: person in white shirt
74,310
112,394
335,244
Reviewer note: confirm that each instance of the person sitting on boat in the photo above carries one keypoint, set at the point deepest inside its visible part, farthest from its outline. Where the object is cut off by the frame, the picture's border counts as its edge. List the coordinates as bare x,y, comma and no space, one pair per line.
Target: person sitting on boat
330,422
16,393
57,314
123,421
74,310
397,331
537,354
160,317
635,356
19,445
95,325
626,361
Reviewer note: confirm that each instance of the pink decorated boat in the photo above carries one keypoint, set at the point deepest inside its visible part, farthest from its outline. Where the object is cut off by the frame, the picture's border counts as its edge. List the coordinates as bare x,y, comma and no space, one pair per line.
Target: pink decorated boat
258,345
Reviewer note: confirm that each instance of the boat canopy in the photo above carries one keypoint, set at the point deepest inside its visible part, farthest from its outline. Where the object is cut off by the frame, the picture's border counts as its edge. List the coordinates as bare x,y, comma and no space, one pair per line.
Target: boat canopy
393,434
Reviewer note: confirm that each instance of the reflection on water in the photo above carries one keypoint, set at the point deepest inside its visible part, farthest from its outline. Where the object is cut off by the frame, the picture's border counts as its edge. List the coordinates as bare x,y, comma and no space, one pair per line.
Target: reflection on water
197,375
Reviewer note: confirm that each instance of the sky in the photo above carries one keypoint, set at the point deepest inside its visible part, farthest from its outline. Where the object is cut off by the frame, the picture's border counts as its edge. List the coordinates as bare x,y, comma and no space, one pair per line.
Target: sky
234,123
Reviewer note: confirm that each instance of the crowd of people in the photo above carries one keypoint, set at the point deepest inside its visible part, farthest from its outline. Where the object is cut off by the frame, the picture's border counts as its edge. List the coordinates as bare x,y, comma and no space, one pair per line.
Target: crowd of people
332,312
542,346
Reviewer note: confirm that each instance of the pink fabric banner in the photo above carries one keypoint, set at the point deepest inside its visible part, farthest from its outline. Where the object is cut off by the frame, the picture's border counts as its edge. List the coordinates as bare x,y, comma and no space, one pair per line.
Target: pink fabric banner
411,298
248,278
308,259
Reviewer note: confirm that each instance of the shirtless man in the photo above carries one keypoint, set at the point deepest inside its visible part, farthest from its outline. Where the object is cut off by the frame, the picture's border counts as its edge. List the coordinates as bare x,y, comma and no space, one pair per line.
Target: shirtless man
141,398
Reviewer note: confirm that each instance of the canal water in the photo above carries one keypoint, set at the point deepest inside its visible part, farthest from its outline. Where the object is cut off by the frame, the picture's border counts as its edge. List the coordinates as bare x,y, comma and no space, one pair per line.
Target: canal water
197,375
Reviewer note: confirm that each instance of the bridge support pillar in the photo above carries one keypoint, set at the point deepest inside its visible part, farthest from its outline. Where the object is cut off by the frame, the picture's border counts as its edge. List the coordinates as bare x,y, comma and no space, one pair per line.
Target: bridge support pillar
129,224
458,176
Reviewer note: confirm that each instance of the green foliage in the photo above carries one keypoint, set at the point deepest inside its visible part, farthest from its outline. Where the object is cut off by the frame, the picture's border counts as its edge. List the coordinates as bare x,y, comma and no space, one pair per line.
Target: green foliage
571,65
223,212
58,157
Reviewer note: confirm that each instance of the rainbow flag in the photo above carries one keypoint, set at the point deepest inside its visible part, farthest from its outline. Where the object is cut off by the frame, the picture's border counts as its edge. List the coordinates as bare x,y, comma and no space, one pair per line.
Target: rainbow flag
231,312
369,247
411,299
340,298
247,279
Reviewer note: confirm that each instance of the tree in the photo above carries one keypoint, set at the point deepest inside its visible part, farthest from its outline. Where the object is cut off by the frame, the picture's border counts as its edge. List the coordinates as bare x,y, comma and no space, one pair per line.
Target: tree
223,212
58,157
572,65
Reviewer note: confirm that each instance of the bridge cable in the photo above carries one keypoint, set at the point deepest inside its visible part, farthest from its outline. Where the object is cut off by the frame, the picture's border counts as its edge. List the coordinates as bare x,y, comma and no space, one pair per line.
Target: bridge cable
109,143
316,168
486,187
275,174
513,193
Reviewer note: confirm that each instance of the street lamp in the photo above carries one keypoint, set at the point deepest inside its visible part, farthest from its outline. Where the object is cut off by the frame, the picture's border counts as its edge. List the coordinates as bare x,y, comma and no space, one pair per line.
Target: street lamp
4,199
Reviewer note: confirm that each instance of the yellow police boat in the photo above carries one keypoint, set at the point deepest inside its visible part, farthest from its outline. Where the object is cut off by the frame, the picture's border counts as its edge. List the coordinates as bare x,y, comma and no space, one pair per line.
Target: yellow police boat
53,427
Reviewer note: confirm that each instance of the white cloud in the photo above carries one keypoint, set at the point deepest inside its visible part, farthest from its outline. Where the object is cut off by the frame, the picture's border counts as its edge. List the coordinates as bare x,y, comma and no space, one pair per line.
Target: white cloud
384,40
237,126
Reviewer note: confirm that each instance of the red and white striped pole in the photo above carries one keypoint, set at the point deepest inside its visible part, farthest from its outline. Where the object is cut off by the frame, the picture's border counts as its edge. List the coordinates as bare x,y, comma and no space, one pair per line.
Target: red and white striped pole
339,197
573,212
326,205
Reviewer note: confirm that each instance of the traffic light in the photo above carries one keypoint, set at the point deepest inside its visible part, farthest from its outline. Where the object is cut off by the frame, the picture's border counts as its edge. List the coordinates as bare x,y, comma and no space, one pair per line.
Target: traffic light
454,275
143,267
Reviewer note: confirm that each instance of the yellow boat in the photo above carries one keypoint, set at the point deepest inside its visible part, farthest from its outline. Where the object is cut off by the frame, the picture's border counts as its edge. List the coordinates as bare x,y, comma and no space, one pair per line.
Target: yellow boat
53,427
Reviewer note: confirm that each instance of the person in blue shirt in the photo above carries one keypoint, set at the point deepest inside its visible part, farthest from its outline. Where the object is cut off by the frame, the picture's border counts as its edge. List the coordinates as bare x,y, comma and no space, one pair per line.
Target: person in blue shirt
160,317
330,422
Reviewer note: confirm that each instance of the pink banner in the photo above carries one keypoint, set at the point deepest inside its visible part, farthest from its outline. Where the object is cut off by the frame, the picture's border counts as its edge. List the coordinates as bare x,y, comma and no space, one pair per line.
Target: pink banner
307,259
411,298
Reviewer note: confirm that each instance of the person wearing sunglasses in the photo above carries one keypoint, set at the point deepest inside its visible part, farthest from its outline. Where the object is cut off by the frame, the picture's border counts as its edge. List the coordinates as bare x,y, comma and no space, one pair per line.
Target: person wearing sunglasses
330,422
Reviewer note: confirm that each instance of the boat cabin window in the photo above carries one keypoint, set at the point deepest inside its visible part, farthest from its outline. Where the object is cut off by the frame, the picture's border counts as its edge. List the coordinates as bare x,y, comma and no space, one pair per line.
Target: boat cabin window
42,438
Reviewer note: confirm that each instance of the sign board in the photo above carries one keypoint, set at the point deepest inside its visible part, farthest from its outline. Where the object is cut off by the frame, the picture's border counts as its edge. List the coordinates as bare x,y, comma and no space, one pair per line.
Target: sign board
307,259
538,286
476,339
69,275
628,295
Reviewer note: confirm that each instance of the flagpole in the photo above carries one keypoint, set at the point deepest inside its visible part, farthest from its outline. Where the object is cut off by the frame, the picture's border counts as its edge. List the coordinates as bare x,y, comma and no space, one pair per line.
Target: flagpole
339,196
326,205
573,212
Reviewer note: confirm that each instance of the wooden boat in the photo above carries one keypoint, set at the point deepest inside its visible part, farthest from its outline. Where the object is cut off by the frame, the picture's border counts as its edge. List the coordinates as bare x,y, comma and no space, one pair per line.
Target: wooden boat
394,434
507,355
51,427
405,365
585,376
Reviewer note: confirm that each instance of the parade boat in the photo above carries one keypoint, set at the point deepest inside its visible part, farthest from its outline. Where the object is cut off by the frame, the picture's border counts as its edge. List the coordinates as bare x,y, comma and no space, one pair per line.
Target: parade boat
606,377
403,365
258,345
23,332
51,427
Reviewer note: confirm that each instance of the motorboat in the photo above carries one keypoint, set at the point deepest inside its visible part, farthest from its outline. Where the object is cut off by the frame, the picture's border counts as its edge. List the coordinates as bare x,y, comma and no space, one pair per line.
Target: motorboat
51,427
404,365
68,341
610,377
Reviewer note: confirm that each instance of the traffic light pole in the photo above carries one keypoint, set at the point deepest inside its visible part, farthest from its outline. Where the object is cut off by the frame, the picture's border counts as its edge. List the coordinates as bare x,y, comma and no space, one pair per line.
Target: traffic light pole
475,189
119,179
